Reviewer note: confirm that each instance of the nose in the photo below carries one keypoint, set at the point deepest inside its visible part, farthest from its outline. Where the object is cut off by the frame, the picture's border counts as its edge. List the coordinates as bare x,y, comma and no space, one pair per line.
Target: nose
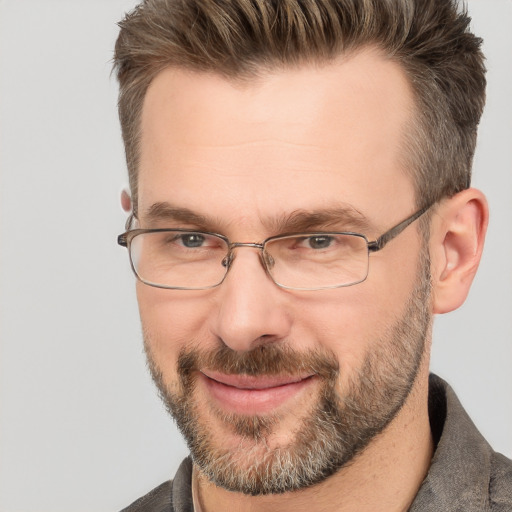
251,310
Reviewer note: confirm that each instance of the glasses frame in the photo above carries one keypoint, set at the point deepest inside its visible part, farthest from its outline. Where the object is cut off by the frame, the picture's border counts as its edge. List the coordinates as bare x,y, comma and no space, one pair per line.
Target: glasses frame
124,240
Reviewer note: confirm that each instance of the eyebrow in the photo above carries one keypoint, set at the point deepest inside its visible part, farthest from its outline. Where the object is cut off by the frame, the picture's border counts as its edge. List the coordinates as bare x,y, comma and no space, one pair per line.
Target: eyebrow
163,211
339,218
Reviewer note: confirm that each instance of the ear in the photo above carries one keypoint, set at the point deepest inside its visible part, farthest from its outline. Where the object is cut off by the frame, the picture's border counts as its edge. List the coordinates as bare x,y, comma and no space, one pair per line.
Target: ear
126,201
457,238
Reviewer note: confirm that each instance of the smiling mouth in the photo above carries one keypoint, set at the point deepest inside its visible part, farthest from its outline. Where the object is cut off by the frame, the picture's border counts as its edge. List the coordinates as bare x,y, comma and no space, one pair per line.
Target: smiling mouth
248,394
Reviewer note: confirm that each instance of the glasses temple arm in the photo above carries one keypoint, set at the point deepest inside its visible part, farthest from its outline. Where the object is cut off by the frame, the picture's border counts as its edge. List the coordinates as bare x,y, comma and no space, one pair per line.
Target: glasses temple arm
378,244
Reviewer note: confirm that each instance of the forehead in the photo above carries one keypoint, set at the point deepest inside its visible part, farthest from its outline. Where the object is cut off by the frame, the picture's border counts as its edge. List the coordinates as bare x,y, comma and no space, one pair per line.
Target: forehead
306,137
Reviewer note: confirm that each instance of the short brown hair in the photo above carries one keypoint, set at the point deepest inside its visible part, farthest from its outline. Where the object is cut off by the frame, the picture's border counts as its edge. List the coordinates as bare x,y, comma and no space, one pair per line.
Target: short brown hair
240,38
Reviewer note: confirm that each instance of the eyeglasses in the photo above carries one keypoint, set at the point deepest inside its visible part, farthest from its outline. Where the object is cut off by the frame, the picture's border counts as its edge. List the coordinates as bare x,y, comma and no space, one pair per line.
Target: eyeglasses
184,259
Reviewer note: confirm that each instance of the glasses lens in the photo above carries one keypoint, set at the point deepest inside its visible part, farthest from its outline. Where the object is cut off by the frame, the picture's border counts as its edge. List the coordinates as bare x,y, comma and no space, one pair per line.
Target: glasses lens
178,259
318,260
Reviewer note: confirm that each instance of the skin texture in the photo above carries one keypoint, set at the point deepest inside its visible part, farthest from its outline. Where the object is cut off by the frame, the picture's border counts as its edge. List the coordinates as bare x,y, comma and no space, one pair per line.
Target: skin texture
245,156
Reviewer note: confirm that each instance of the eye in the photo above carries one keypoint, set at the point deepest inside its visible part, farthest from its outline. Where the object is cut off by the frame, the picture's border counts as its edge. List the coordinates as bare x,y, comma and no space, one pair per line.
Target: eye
191,240
319,242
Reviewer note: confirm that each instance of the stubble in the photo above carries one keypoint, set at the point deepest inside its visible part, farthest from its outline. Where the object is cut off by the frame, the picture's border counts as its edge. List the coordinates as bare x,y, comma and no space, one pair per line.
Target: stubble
340,424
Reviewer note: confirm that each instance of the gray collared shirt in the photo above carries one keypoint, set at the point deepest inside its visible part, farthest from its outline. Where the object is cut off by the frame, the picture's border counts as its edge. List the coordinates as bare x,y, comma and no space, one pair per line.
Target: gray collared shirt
466,474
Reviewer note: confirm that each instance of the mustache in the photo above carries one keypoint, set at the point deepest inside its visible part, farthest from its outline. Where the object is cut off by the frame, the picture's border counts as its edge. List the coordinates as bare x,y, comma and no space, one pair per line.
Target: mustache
265,360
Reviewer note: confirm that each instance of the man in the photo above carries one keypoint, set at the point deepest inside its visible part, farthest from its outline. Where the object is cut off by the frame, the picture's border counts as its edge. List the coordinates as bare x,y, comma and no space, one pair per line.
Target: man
300,209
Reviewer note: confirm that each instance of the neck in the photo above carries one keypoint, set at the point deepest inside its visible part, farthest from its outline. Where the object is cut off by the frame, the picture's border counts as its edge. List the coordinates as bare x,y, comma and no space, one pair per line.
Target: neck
385,476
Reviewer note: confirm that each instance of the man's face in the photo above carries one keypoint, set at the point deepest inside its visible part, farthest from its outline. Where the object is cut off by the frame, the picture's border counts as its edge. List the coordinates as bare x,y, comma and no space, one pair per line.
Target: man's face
275,389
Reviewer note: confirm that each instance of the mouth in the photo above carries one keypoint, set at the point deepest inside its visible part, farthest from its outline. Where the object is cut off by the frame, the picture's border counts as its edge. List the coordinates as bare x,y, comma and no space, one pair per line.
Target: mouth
251,395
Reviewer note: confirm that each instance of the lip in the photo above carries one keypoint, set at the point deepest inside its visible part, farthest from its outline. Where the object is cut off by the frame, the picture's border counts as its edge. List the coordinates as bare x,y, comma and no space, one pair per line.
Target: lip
247,394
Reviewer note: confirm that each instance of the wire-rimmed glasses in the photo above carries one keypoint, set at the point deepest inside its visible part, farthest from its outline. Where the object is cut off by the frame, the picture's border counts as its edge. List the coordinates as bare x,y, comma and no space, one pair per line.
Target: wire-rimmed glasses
185,259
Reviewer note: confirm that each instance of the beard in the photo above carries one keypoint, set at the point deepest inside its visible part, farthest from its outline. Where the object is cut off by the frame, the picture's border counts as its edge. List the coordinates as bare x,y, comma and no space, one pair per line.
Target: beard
340,424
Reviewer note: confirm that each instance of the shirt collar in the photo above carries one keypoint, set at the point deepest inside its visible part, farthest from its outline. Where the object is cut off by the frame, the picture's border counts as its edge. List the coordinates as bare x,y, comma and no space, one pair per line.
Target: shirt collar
459,474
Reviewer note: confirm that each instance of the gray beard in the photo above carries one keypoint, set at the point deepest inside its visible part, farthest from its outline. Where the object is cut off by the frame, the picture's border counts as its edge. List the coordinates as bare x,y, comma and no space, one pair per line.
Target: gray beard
339,426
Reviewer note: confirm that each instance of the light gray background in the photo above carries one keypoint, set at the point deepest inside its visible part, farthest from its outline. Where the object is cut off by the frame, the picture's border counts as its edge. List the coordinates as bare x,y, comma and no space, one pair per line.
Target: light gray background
81,428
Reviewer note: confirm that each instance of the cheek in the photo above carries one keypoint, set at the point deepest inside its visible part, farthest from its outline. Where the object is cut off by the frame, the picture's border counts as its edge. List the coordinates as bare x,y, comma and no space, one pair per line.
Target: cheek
170,320
352,321
343,324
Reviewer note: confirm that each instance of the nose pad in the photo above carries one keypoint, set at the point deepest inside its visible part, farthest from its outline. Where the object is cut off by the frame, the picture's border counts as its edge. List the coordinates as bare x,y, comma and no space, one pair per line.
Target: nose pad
268,261
226,262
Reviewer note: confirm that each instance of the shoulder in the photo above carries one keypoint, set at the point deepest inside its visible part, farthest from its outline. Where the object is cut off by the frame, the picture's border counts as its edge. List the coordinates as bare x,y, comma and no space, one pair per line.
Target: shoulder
500,483
465,472
172,496
157,500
